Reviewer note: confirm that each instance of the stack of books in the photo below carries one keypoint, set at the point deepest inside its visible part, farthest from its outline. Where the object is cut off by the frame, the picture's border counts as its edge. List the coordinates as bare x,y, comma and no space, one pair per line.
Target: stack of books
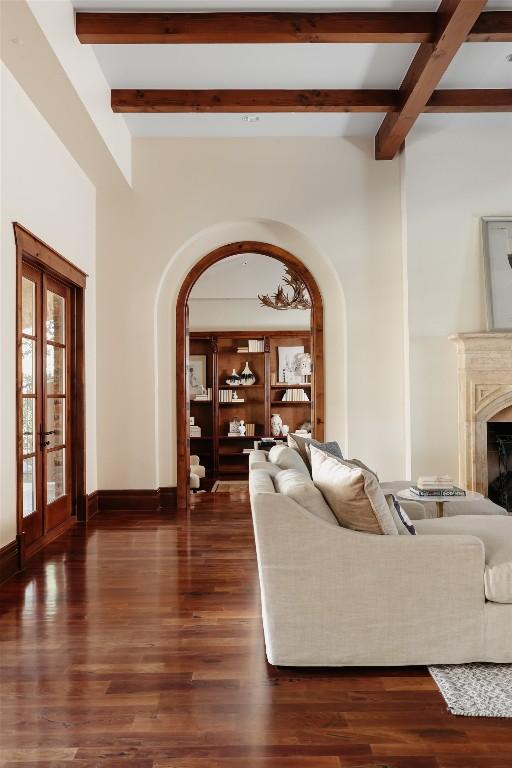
266,443
195,431
206,397
253,345
229,396
295,395
436,485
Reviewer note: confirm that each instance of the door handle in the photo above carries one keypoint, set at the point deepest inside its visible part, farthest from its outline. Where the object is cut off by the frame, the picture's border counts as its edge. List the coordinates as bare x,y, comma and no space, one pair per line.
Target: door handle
42,442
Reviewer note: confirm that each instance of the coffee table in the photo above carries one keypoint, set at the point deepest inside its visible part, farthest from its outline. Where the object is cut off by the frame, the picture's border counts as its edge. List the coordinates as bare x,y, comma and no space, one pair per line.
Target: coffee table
440,501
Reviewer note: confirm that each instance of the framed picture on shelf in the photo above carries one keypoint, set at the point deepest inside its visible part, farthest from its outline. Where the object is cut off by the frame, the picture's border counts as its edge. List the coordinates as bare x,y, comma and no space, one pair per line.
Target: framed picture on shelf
497,242
287,365
197,375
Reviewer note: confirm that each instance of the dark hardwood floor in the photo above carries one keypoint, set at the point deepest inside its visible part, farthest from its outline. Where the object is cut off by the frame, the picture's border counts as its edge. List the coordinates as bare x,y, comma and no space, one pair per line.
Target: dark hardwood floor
137,643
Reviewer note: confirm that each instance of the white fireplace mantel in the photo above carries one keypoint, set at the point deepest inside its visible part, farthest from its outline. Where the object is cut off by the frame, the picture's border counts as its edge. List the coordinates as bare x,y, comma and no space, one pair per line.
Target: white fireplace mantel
484,367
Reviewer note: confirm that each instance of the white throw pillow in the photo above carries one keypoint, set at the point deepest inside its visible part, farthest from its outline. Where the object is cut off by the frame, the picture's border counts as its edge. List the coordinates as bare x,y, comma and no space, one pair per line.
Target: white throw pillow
353,494
301,489
287,458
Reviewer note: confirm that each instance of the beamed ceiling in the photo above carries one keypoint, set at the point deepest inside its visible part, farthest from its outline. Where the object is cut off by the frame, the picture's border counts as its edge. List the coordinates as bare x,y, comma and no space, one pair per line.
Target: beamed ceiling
385,66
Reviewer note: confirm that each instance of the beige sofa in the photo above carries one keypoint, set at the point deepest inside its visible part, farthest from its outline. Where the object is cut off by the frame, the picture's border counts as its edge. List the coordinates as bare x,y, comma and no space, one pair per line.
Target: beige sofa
335,597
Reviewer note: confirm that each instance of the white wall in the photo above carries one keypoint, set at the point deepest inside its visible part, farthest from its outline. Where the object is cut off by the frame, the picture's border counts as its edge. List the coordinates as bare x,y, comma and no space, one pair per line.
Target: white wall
243,315
452,178
329,202
44,190
56,19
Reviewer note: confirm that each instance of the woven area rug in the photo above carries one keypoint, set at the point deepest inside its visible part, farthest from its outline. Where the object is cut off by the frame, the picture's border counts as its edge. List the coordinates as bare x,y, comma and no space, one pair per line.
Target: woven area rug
475,690
230,486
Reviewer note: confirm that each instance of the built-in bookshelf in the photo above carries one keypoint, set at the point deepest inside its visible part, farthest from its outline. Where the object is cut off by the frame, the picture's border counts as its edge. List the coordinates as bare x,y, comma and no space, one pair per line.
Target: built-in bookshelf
217,355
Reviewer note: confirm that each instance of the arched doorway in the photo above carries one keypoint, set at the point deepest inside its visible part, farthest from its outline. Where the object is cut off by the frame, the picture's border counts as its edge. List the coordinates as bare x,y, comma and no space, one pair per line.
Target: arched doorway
182,346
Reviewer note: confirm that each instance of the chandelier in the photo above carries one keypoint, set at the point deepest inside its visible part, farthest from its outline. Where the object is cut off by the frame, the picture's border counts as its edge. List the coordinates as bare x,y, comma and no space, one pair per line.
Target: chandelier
294,296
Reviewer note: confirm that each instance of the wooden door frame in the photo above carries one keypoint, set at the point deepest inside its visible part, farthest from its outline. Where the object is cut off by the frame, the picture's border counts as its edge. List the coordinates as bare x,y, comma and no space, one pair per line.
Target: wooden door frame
31,250
317,345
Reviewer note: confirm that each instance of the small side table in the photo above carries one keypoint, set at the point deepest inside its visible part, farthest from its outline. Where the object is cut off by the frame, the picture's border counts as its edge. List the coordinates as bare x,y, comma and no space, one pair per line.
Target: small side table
440,501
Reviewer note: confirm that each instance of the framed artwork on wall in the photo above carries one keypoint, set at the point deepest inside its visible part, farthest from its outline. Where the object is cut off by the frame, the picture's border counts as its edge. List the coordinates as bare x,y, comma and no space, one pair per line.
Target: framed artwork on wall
497,247
287,364
197,375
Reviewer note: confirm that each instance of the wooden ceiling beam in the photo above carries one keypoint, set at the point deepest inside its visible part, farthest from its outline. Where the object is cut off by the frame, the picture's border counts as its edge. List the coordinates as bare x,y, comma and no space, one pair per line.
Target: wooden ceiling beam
455,19
470,100
236,101
492,27
267,101
278,27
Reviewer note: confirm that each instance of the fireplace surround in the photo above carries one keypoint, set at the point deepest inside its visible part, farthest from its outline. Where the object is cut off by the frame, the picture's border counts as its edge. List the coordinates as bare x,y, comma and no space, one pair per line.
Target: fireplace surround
484,368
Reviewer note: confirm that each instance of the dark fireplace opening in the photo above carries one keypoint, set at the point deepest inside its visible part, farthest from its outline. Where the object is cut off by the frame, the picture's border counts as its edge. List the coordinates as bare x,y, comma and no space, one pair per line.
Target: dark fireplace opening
499,462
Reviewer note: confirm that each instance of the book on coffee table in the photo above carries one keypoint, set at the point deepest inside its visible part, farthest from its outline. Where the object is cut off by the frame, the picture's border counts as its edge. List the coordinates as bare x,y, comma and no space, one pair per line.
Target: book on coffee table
425,492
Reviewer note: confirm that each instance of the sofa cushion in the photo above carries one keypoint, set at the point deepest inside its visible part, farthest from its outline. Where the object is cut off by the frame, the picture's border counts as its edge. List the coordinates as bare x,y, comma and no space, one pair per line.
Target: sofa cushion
287,458
292,483
353,494
266,466
260,481
496,534
402,521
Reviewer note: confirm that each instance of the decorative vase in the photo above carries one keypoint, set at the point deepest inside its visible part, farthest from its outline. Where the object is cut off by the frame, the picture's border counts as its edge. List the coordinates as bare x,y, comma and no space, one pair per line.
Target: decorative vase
276,424
234,379
247,376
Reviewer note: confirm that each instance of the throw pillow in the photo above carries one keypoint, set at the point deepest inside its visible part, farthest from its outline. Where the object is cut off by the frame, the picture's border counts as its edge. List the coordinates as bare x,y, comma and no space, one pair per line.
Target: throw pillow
287,458
353,494
302,444
301,489
360,464
402,520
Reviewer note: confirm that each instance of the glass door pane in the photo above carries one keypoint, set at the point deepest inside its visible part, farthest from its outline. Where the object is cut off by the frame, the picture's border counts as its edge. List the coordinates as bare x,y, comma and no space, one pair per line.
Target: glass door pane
29,486
56,390
31,508
55,475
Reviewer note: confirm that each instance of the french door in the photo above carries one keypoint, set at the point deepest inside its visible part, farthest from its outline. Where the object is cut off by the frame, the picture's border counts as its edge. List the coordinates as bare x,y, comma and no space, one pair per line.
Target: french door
44,460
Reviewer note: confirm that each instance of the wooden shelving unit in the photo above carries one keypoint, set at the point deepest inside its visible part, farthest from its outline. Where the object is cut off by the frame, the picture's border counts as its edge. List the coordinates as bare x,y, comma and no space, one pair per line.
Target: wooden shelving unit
222,455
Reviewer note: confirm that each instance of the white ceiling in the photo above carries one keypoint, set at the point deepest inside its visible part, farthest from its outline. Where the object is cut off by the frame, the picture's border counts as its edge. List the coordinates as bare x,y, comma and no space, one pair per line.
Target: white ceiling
242,276
477,65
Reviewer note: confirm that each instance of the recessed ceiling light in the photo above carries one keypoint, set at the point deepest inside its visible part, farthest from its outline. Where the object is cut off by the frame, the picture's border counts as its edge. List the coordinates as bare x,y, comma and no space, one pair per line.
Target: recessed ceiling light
251,118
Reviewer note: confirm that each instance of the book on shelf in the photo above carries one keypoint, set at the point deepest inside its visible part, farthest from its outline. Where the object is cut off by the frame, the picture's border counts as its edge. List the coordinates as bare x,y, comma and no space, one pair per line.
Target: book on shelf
229,396
255,345
195,431
204,397
448,492
242,350
295,396
265,443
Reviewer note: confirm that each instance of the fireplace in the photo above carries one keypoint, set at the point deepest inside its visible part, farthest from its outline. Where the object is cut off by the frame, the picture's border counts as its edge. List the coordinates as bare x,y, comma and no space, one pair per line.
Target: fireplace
484,366
499,458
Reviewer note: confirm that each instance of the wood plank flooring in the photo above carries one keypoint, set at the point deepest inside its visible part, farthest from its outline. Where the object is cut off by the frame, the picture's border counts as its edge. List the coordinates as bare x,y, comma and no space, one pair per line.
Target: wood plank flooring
137,643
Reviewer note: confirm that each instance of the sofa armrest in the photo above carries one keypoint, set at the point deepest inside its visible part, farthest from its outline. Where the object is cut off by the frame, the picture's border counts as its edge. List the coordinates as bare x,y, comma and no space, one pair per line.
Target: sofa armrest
414,509
332,596
257,456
